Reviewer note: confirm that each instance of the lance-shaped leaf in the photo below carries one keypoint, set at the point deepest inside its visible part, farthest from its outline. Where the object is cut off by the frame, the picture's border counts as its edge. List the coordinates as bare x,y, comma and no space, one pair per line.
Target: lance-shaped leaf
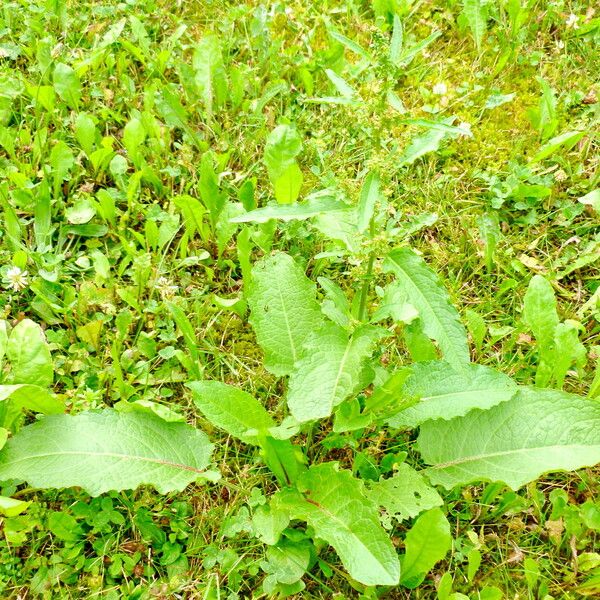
404,495
426,543
284,311
283,145
369,195
427,142
445,393
107,450
29,355
210,74
539,311
331,369
536,432
292,212
32,397
426,293
475,13
334,503
231,409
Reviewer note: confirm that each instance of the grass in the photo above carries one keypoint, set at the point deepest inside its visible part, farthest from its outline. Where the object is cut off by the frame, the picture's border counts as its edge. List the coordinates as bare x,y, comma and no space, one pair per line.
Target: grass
100,285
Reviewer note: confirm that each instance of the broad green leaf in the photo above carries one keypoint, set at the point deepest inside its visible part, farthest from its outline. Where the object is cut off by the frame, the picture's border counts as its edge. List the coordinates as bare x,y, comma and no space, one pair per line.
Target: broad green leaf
148,406
11,507
3,340
210,76
350,44
568,350
442,126
231,409
134,136
428,142
445,393
425,292
394,304
334,503
544,116
62,160
291,212
475,13
396,41
67,84
427,542
539,310
536,432
341,85
85,133
287,561
29,355
340,226
335,304
107,450
408,54
331,368
284,311
283,145
285,460
404,495
32,397
369,195
567,139
189,336
592,199
288,185
212,197
269,521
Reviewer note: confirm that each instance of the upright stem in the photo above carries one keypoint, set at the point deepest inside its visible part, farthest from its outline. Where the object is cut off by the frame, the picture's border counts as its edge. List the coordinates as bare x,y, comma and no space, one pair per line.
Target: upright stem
364,292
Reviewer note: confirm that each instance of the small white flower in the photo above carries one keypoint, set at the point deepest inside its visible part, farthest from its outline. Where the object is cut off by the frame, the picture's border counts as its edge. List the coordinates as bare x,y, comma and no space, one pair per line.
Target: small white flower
439,89
466,129
16,279
572,21
165,288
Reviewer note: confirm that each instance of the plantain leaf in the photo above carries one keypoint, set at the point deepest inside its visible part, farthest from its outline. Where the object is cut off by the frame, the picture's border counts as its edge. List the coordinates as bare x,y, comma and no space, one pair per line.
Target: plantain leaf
284,311
291,212
32,397
404,495
210,76
429,141
369,195
334,503
29,355
445,393
425,292
536,432
567,139
426,543
107,450
283,145
331,369
475,13
231,409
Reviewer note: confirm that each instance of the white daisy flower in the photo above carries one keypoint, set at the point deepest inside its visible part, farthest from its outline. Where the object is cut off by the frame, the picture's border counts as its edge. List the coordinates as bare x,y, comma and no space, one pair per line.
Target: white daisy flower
16,279
165,288
572,21
439,89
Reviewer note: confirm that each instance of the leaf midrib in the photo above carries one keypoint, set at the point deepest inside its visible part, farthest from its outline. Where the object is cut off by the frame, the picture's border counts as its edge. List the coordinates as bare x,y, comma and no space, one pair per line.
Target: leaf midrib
344,526
433,314
477,457
287,323
129,457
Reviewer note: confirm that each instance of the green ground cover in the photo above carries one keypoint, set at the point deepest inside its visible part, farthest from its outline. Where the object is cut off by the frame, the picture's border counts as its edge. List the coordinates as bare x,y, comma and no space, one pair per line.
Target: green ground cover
380,142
